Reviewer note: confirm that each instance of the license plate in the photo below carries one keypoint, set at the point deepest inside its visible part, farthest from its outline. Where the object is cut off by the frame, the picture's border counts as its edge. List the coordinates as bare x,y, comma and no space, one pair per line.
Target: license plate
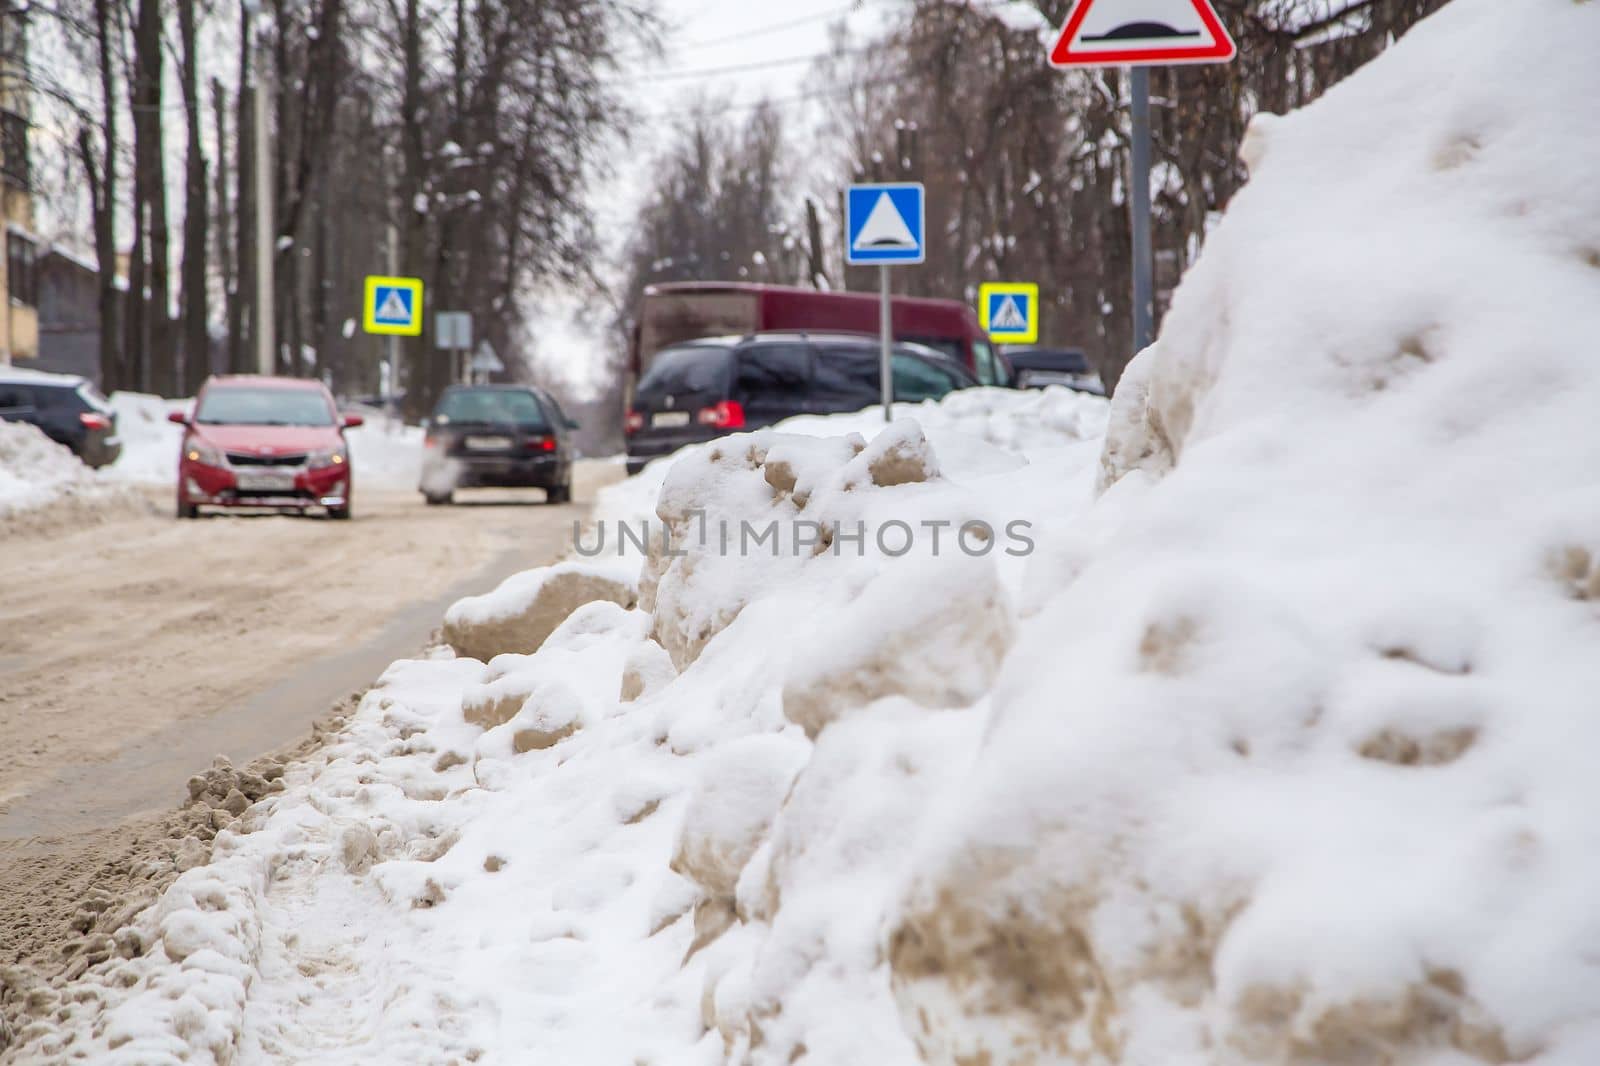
669,419
266,481
488,444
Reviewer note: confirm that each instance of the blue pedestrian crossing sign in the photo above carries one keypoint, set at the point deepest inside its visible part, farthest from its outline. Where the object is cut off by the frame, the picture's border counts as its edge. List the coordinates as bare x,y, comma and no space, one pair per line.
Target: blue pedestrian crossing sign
1010,312
393,306
885,224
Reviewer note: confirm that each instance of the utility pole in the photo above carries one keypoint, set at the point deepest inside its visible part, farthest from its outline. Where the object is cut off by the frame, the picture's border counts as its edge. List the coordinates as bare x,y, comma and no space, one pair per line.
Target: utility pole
1144,300
264,317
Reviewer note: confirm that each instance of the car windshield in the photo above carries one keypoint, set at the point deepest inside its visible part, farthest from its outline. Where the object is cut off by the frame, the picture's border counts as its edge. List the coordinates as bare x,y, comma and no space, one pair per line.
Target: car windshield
1055,360
490,406
264,407
947,346
700,369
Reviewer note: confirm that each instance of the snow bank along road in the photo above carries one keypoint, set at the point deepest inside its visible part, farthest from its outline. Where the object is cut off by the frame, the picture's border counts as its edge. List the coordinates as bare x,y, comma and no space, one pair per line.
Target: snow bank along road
135,648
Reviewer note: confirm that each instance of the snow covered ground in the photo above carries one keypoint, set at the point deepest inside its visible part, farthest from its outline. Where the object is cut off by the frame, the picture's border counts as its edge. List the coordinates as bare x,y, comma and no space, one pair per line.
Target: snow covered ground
1257,730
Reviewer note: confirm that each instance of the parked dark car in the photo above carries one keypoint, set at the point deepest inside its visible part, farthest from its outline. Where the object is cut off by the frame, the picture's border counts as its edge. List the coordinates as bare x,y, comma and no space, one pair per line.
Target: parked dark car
69,410
1034,368
497,436
704,389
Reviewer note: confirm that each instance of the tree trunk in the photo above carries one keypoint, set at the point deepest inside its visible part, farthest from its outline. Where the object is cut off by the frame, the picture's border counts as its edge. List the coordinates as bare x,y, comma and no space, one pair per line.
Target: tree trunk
102,178
196,304
225,221
149,318
285,277
422,384
241,352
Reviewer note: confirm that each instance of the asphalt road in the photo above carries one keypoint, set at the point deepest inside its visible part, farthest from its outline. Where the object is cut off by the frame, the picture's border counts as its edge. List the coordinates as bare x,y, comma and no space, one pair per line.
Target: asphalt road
135,649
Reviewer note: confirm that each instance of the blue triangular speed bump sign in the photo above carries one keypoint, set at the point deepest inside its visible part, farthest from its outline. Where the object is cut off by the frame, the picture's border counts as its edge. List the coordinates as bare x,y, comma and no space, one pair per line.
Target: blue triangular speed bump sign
885,223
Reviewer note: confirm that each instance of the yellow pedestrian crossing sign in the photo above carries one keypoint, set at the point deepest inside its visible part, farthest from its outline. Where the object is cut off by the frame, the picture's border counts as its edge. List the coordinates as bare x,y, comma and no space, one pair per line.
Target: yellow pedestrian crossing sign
393,306
1010,312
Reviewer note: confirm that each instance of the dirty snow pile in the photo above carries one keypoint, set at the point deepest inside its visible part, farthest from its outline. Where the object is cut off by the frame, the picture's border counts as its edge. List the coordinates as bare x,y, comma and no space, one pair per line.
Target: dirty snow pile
1260,731
976,432
35,470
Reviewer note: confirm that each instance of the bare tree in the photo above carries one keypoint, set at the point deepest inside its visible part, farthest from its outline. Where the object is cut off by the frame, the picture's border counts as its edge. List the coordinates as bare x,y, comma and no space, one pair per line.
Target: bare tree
97,151
224,216
196,218
241,358
719,209
148,336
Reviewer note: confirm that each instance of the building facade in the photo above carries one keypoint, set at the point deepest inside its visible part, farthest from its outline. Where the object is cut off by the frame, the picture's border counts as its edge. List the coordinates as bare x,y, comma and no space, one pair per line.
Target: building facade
19,278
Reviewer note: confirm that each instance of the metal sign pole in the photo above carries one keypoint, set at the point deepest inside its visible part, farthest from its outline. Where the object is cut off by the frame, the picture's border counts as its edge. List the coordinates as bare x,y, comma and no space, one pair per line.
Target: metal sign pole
886,337
1139,212
394,342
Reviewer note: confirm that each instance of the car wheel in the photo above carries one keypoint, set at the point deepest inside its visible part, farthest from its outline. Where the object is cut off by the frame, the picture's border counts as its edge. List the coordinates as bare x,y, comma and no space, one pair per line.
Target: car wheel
188,510
339,514
559,494
438,499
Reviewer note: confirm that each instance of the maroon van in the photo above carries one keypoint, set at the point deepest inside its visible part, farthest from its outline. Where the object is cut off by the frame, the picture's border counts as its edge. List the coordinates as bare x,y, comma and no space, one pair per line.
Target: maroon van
685,311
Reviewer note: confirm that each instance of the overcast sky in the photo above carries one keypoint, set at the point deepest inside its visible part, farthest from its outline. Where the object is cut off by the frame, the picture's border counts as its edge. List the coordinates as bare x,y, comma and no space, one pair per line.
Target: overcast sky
769,47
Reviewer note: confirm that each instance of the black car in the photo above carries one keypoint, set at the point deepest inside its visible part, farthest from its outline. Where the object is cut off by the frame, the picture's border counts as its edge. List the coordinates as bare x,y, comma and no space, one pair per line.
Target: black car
497,436
69,410
1034,368
704,389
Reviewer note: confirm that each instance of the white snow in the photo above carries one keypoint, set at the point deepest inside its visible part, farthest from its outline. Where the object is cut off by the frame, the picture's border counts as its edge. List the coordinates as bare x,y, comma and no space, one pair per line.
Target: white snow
35,470
1277,748
385,454
149,442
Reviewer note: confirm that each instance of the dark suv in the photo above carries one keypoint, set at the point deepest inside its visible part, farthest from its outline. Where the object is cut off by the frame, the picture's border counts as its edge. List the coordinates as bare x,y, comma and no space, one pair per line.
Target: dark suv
500,436
69,410
703,389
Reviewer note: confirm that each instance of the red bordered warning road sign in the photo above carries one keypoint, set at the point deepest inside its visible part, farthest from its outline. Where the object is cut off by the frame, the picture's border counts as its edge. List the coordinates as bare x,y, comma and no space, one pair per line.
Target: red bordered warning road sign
1114,33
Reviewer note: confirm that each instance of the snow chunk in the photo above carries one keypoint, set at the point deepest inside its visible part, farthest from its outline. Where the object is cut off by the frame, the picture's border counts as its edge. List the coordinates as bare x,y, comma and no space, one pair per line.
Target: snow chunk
527,607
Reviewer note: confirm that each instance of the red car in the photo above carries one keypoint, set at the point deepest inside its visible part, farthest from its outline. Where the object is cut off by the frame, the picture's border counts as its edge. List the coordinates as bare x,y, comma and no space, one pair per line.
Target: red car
264,442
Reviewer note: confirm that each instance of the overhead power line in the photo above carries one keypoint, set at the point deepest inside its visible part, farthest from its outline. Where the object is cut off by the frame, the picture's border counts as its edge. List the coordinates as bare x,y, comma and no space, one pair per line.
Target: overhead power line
776,27
788,101
678,74
737,68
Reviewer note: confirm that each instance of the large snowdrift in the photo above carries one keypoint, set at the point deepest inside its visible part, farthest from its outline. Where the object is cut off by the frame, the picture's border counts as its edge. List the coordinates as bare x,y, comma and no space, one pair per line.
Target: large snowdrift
1275,749
1294,762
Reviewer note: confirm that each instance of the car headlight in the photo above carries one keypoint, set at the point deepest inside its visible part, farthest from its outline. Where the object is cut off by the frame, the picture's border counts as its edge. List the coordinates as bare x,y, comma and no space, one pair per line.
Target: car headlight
197,451
322,457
